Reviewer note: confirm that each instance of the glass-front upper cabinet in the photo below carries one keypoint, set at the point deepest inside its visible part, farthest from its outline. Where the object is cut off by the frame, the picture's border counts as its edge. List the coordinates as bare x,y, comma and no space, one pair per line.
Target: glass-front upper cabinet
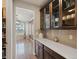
55,23
59,14
46,17
69,14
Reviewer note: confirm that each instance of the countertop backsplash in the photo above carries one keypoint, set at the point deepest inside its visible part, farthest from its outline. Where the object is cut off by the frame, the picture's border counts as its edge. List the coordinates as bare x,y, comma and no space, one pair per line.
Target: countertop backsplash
66,37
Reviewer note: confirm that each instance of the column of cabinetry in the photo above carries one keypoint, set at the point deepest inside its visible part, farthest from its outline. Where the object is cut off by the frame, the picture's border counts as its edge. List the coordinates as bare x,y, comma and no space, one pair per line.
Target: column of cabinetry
3,33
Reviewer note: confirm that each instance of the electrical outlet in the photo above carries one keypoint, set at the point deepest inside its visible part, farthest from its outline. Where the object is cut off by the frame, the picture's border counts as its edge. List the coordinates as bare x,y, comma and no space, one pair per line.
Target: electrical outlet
70,37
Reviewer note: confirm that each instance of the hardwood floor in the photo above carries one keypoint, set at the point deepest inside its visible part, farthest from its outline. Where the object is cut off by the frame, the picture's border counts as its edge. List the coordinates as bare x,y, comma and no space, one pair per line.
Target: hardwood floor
24,49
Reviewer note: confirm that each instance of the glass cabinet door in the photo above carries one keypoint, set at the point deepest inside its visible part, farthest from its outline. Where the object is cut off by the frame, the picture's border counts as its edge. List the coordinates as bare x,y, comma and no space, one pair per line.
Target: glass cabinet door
42,19
46,17
68,13
55,14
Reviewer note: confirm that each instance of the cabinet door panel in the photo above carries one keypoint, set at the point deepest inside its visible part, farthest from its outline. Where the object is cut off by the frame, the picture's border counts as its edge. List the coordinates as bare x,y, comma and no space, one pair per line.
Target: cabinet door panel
47,17
48,56
40,52
53,54
69,14
42,19
36,48
55,21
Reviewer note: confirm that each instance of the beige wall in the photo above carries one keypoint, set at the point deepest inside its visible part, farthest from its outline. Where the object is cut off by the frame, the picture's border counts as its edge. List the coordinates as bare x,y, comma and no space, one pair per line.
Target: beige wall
64,37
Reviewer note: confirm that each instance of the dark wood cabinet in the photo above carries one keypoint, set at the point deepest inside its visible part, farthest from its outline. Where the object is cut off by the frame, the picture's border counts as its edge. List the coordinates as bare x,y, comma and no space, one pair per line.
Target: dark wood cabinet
43,52
4,33
55,20
42,25
50,54
69,14
47,17
39,50
59,14
36,48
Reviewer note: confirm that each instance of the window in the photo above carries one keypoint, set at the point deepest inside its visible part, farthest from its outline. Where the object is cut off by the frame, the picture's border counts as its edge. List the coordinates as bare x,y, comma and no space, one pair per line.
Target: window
19,26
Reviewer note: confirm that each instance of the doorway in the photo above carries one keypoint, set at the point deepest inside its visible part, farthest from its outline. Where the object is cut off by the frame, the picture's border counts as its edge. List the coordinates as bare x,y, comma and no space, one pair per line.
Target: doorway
24,33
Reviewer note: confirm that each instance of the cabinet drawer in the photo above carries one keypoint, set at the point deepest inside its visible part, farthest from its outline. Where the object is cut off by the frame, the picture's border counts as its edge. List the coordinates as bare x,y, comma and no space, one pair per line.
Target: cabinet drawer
53,53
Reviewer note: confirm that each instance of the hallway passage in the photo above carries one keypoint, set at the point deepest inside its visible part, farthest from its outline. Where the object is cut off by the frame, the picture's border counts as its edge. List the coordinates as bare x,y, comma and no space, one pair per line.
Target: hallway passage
24,49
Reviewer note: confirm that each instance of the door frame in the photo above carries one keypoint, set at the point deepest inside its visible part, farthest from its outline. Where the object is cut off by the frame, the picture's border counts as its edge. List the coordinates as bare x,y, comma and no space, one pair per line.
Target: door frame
10,29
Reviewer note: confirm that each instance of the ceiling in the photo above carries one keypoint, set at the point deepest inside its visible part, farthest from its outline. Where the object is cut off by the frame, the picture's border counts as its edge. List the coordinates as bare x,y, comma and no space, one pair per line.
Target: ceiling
24,15
38,3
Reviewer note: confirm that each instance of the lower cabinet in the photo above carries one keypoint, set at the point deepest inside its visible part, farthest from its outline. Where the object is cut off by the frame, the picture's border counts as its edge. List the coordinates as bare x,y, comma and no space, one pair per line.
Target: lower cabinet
36,48
43,52
47,55
50,54
39,50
